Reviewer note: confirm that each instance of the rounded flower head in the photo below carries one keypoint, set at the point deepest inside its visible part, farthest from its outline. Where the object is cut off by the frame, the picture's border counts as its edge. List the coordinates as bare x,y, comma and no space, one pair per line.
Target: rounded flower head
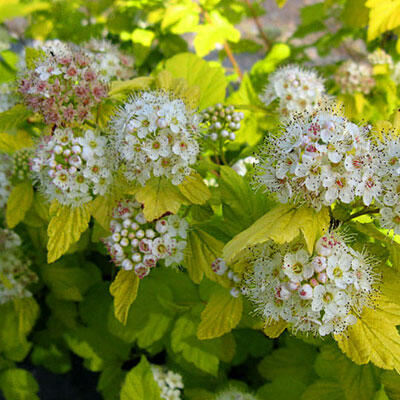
72,166
297,89
380,57
5,178
221,122
109,61
20,169
15,275
62,86
155,136
169,382
321,293
354,77
319,158
138,244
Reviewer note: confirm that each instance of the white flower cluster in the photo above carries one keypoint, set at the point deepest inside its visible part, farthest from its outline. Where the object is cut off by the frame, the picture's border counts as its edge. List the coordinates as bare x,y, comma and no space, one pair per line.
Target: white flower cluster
8,96
323,293
234,394
354,77
380,57
170,383
15,276
138,244
297,89
5,178
222,122
155,136
72,166
111,63
319,158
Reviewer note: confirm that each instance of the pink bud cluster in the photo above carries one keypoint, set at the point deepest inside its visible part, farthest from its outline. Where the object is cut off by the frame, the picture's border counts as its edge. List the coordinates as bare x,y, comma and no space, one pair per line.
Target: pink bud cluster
63,86
138,244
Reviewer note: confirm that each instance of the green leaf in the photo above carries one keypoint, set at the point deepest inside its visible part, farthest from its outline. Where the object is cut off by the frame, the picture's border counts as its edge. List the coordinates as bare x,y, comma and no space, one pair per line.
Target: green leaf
391,382
52,358
19,203
194,189
282,388
197,72
27,312
124,290
69,283
13,118
282,224
384,15
159,196
217,30
18,384
201,250
323,389
16,8
184,341
65,228
181,17
11,142
222,313
121,88
139,383
241,206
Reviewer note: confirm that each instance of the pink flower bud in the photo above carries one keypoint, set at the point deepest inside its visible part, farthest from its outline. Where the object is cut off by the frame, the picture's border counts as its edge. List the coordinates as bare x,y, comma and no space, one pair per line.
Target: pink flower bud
306,292
322,277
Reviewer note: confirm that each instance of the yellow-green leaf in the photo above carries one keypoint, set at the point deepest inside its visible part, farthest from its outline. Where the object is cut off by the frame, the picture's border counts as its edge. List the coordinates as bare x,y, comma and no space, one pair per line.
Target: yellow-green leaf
124,290
194,189
282,224
280,3
65,228
384,15
119,88
222,313
102,209
201,250
19,203
274,329
159,196
10,143
375,338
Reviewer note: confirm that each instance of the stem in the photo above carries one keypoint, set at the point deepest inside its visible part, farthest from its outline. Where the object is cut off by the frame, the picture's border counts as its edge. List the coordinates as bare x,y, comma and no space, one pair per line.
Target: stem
227,50
258,24
362,212
221,151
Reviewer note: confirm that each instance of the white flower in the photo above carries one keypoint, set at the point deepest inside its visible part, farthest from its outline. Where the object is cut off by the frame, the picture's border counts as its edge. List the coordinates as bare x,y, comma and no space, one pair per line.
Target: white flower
296,266
390,218
354,77
170,383
339,270
154,135
297,89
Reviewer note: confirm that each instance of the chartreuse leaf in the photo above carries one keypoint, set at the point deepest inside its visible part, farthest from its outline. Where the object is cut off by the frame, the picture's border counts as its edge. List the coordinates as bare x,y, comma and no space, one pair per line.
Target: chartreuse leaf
282,224
159,196
280,3
391,382
384,15
9,143
194,189
139,383
18,384
16,8
197,72
124,290
375,337
201,250
275,328
102,209
27,311
323,389
222,313
19,203
120,89
65,228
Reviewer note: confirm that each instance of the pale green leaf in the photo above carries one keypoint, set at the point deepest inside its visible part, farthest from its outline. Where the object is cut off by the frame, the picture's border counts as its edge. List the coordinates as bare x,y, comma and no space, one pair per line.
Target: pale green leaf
19,203
65,228
124,290
222,313
18,384
194,189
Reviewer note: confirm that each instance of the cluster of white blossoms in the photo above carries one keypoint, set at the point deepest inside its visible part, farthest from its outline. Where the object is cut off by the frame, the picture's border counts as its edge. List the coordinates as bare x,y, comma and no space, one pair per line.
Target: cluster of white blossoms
220,267
15,275
380,57
8,97
169,382
221,122
111,63
323,293
234,394
297,89
319,158
72,166
138,244
353,77
155,135
5,178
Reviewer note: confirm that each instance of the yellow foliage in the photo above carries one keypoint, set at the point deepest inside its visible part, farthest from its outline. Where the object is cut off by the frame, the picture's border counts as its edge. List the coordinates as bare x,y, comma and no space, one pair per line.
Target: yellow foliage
18,203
